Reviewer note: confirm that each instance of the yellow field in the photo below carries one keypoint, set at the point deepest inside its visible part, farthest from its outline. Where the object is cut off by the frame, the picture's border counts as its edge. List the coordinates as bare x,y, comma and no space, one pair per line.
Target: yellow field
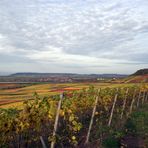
13,97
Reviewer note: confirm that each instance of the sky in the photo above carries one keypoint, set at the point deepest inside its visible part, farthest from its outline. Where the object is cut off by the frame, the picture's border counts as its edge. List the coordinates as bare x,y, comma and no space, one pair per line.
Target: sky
73,36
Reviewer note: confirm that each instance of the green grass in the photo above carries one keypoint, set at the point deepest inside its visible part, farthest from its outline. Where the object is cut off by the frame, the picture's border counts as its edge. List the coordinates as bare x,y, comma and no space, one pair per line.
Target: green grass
137,124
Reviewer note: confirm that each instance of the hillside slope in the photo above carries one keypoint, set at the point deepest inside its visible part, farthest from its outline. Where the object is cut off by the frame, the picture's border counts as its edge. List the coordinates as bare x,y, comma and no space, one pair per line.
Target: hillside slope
140,76
141,72
137,79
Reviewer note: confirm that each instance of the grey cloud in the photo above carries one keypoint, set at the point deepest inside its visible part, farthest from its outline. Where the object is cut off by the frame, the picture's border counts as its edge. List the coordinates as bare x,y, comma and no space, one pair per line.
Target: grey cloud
99,29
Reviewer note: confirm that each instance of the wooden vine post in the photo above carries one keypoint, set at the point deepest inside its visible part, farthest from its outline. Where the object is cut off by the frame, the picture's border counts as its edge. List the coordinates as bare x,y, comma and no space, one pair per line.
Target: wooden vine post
143,97
139,96
56,120
112,110
42,141
124,103
132,103
146,97
92,119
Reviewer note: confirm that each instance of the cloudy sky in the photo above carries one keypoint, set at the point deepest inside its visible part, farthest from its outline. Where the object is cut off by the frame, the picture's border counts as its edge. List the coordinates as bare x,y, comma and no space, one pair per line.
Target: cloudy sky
77,36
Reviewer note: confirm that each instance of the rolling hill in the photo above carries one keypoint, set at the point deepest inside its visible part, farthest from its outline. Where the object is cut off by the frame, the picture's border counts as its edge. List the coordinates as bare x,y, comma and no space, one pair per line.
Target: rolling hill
140,76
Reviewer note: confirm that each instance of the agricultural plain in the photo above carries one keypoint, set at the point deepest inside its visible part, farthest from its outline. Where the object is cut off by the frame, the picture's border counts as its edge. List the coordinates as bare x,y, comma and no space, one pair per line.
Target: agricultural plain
84,115
13,94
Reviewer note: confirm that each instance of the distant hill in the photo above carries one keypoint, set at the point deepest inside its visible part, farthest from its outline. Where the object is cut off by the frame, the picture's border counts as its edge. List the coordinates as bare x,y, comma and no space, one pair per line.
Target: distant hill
58,77
141,72
140,76
29,74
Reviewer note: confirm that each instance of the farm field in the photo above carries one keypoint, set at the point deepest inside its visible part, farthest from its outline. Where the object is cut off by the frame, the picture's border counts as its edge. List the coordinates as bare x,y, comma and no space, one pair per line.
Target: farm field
82,118
89,114
73,74
12,95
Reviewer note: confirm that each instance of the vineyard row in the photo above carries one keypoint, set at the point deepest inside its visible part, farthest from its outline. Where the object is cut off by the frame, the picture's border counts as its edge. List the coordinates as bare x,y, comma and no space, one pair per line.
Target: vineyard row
73,119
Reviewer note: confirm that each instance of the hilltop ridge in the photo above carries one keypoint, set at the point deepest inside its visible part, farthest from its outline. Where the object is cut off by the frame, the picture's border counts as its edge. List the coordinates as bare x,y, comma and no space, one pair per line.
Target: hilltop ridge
140,76
141,72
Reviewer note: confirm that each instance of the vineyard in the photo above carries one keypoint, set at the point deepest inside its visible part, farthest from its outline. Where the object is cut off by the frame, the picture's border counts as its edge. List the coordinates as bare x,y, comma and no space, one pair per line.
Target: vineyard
82,118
